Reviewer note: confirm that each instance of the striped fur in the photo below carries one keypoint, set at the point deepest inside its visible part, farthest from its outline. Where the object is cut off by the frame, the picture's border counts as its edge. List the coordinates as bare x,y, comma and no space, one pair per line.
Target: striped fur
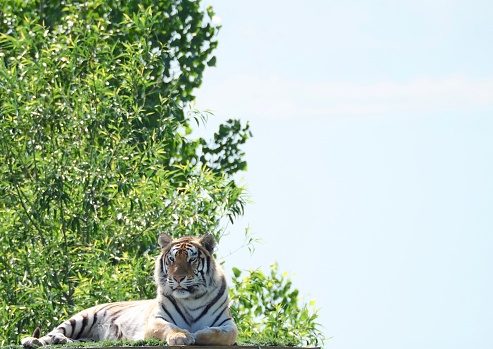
191,306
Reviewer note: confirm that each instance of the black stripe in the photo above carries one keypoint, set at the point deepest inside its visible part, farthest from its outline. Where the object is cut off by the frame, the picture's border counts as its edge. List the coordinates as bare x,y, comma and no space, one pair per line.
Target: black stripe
214,301
205,268
95,316
199,307
217,318
167,313
62,329
163,262
222,323
109,306
172,300
73,323
162,318
118,333
84,324
115,315
207,262
221,307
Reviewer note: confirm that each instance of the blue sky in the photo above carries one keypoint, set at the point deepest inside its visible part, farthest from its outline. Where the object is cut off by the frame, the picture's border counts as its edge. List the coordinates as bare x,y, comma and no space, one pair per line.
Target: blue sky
371,163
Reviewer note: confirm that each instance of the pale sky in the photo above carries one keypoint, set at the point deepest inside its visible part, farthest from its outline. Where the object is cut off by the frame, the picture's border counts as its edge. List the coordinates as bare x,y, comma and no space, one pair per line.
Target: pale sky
371,164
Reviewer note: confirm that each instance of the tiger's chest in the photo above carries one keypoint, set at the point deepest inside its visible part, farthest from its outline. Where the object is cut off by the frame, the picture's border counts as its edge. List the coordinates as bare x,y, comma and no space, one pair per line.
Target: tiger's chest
189,316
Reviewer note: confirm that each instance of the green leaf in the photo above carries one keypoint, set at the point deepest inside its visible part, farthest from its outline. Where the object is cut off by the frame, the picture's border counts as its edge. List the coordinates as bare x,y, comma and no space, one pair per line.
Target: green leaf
212,62
236,272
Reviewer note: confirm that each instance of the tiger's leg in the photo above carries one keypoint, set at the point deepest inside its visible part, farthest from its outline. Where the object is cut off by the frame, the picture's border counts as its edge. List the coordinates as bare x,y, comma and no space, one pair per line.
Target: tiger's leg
225,334
172,334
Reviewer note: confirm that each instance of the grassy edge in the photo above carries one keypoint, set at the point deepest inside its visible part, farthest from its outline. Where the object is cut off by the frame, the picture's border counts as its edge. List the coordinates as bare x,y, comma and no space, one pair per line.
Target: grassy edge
256,342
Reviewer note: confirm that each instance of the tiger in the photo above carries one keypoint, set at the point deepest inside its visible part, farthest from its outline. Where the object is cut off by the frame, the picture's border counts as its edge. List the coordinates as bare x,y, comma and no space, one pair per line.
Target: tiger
191,306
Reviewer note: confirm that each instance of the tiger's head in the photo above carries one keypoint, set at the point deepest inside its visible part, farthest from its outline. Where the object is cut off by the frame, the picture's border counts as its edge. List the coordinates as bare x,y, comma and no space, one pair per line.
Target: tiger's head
186,267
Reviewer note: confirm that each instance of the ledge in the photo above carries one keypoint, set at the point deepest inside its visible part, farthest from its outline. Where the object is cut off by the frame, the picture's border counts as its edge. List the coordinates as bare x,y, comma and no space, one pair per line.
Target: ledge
197,347
161,347
203,347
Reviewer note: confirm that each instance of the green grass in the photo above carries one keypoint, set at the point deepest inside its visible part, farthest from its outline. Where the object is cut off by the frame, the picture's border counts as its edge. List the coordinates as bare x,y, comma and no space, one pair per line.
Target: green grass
257,341
105,343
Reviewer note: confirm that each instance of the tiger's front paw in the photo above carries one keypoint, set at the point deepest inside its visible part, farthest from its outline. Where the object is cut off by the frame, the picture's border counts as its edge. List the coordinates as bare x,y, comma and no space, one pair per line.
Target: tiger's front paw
31,342
180,338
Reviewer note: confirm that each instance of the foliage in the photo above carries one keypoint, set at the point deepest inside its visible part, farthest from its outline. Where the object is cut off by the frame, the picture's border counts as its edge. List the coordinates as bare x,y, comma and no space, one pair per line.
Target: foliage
95,153
267,311
179,31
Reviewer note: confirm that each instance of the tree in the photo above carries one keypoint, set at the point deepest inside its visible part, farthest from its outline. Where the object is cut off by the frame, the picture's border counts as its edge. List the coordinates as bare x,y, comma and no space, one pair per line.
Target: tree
96,156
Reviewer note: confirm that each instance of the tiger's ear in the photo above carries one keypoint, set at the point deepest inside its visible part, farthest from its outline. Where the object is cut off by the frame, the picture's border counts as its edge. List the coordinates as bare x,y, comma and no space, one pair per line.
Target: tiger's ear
164,240
208,242
36,332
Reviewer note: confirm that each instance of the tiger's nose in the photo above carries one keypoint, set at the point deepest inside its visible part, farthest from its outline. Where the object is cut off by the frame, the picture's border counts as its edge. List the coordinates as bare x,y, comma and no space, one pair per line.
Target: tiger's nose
178,278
